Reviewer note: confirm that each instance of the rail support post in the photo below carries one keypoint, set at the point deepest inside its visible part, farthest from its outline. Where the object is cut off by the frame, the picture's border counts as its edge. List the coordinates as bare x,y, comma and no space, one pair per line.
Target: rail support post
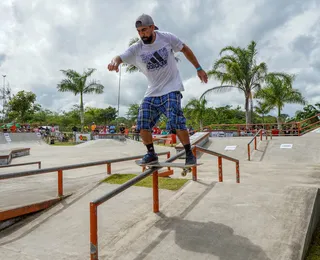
109,168
237,172
93,232
155,192
220,168
261,134
194,169
168,156
255,143
60,183
249,152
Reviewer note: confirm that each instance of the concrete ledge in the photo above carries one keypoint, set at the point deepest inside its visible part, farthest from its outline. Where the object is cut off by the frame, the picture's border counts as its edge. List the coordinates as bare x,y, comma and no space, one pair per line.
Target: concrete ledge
313,223
7,155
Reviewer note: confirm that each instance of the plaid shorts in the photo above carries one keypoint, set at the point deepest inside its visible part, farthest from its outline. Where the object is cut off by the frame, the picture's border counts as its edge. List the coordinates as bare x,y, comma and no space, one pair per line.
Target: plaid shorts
153,107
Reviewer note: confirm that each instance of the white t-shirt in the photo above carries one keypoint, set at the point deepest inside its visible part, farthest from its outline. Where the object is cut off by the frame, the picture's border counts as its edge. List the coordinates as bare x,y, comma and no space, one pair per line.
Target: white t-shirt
157,62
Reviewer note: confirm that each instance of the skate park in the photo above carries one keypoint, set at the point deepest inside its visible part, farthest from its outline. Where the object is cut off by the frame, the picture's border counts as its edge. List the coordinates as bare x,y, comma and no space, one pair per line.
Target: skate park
269,211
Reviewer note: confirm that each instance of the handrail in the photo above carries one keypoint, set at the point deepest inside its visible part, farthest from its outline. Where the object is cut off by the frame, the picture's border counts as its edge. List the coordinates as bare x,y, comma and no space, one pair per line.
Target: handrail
22,164
60,169
307,126
94,204
220,157
70,167
254,138
309,118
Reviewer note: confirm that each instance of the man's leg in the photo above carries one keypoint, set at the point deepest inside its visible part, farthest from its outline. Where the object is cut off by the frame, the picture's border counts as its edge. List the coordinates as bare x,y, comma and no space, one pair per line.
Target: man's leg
148,116
185,140
177,123
146,137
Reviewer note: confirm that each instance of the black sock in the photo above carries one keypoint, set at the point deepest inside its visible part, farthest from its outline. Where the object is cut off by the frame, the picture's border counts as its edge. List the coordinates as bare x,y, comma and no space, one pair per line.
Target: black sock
150,148
187,147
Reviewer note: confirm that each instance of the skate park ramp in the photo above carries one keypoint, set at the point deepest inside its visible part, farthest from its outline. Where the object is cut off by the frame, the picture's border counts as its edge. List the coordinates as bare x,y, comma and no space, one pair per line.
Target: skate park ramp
20,138
269,215
303,149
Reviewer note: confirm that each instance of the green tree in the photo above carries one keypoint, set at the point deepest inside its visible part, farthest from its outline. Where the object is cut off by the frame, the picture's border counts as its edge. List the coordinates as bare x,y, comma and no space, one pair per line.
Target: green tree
100,115
307,112
77,84
262,109
196,109
22,106
133,112
238,70
279,92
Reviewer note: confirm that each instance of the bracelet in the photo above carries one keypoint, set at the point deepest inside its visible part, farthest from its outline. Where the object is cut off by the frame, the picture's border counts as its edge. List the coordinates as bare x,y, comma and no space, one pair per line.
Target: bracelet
199,68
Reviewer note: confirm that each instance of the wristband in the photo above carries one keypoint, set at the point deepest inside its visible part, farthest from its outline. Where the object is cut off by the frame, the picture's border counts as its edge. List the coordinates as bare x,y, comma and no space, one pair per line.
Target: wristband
199,68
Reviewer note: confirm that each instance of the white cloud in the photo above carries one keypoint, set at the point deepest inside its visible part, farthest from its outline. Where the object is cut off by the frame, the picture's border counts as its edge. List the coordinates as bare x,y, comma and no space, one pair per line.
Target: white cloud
39,38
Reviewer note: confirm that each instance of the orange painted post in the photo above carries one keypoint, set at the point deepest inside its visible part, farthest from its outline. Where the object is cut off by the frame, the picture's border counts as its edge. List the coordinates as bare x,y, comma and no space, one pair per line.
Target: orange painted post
93,232
237,172
260,135
60,183
194,169
255,143
220,168
248,152
108,168
155,192
168,156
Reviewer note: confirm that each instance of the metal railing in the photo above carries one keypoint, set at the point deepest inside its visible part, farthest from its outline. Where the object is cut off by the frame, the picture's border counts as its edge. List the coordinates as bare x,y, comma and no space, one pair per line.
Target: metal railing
154,171
94,204
220,157
22,164
254,139
60,169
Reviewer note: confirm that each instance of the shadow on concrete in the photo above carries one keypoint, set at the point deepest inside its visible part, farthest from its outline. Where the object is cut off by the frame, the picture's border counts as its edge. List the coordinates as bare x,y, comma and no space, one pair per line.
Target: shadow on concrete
211,238
204,237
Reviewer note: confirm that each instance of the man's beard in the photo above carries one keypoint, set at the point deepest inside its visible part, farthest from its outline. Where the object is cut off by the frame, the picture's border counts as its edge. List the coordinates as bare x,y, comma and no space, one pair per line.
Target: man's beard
147,40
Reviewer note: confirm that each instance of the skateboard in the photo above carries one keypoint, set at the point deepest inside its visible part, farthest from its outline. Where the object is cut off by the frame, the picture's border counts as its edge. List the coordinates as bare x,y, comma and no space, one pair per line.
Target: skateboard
185,167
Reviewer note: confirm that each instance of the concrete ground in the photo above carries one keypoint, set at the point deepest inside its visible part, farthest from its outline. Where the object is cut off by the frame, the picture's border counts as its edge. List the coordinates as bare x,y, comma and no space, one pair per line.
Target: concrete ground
266,216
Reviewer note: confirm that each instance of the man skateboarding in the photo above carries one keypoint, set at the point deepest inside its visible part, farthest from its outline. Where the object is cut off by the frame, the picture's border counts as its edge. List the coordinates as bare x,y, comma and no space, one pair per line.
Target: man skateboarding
153,55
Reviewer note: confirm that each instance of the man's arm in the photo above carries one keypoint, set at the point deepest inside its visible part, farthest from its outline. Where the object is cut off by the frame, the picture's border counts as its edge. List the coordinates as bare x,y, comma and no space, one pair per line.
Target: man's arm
192,58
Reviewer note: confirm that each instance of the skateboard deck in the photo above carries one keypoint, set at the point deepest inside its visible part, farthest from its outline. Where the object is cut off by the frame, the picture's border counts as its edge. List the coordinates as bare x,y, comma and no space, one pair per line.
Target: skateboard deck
185,167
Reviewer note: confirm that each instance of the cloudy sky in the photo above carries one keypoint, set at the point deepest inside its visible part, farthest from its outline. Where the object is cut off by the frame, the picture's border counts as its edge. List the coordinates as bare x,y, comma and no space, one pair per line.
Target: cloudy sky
38,38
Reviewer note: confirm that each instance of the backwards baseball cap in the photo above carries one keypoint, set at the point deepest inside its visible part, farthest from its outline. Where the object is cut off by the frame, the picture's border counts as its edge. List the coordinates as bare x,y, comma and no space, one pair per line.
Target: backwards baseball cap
145,20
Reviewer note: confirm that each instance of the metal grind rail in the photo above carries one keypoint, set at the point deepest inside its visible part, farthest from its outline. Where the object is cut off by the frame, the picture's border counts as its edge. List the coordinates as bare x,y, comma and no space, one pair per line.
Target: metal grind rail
154,171
94,204
259,133
22,164
60,169
220,157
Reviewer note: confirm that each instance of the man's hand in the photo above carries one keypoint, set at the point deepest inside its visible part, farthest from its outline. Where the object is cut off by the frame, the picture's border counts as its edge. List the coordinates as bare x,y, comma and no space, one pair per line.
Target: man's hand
203,76
114,64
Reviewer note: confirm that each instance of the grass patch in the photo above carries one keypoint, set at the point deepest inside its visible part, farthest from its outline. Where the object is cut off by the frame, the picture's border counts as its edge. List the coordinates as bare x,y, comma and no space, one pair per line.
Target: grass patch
314,250
164,183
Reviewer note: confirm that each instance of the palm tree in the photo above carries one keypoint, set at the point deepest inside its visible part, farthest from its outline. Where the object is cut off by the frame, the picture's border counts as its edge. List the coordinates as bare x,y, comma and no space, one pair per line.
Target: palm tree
278,92
77,84
196,108
131,68
262,109
239,70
